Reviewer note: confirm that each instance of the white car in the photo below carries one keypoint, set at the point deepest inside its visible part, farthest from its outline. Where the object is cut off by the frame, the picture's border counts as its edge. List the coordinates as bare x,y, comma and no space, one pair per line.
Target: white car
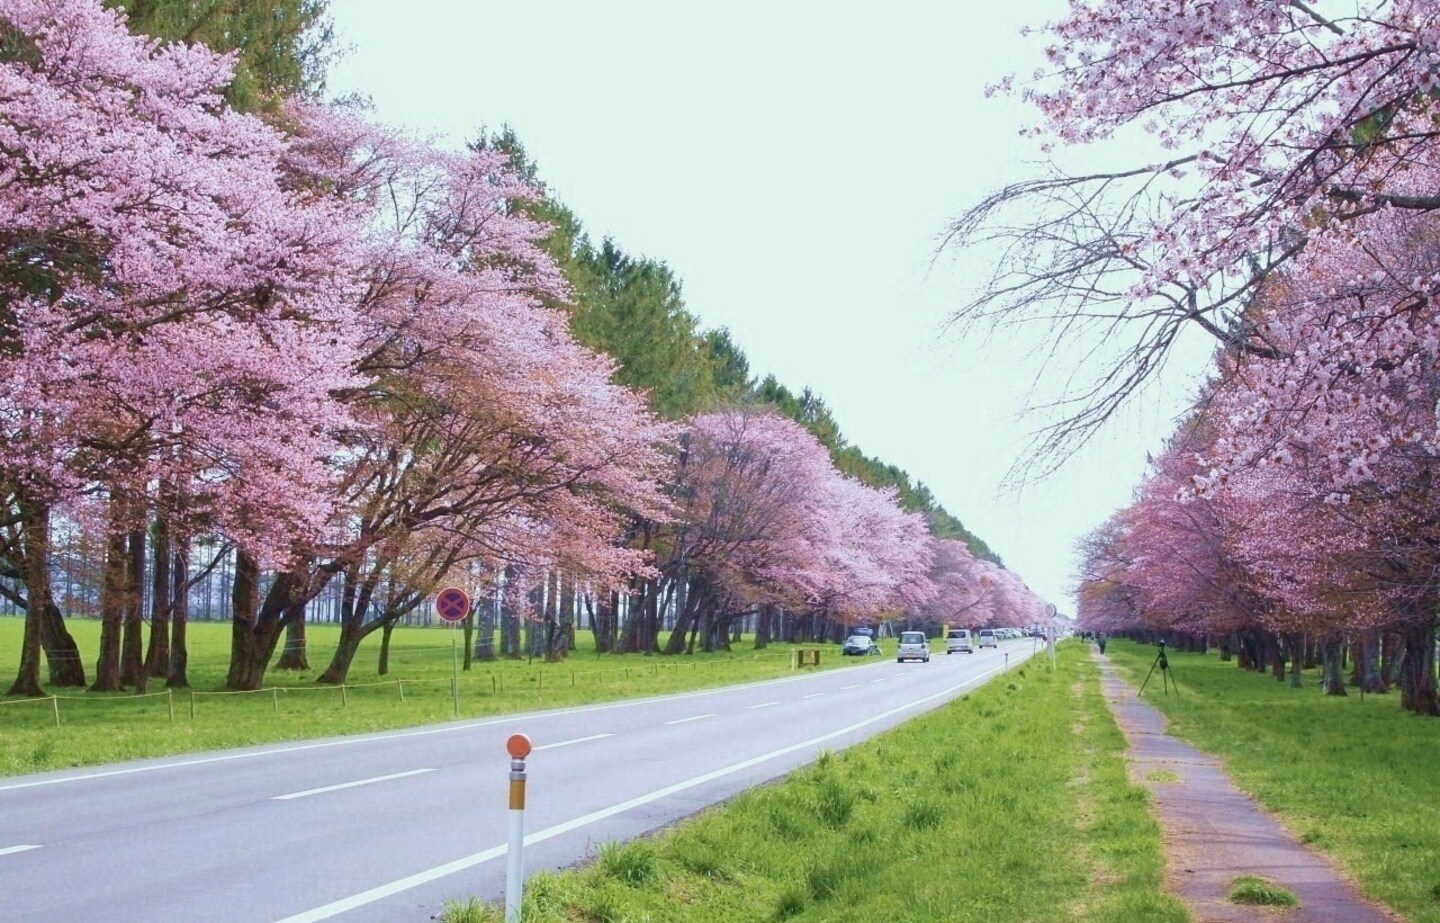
913,646
987,638
958,639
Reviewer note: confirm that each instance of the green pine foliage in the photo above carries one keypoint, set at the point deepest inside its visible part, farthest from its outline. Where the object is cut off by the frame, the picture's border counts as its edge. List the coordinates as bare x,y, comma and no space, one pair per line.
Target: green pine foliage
284,46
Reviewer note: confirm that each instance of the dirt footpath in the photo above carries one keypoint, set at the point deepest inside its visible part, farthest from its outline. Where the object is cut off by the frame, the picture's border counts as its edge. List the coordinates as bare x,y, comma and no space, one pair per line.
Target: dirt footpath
1214,833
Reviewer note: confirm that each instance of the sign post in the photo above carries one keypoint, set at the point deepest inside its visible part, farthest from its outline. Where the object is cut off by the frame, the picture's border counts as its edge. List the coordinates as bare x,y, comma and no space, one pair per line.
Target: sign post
1050,631
452,604
518,746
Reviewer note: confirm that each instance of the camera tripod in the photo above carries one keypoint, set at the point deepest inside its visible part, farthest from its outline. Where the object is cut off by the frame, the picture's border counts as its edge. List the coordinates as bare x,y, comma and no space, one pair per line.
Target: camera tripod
1163,663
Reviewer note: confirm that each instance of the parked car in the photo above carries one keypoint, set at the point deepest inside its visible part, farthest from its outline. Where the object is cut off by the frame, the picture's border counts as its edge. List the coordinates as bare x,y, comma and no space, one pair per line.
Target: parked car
958,639
859,646
988,639
913,646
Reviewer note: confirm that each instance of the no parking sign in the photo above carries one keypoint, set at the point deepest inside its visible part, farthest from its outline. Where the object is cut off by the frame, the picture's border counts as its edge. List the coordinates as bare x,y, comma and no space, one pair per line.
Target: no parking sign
452,604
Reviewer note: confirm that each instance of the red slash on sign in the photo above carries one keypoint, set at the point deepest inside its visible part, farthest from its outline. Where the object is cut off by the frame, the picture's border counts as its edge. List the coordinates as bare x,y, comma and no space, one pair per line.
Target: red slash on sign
452,604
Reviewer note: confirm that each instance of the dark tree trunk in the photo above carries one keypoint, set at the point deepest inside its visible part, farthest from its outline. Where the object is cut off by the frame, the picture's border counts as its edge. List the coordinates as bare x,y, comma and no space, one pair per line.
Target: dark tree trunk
157,654
1392,658
295,655
256,633
112,611
762,627
1417,672
1334,665
485,639
132,657
1295,644
1367,662
35,525
1277,657
1227,647
385,634
509,619
61,652
178,675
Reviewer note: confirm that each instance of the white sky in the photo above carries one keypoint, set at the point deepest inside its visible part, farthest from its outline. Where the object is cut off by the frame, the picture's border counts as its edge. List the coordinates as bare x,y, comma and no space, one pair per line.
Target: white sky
795,164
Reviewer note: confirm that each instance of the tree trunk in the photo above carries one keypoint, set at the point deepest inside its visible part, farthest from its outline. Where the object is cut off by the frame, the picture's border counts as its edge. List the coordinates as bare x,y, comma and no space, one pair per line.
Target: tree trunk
132,655
1367,662
385,634
1334,665
485,639
62,654
112,609
178,676
468,626
1417,672
1392,657
762,627
157,655
1295,644
295,656
509,619
35,525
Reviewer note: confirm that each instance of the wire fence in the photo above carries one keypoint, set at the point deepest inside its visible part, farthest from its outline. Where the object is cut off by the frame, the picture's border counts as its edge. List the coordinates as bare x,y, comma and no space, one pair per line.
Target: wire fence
538,679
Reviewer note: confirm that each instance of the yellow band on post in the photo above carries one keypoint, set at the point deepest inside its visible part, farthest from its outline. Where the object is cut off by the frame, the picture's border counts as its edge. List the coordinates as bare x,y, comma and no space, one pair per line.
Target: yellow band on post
517,795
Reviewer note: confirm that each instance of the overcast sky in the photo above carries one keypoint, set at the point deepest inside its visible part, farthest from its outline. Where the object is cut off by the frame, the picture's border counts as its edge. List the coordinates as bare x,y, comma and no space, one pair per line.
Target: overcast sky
795,164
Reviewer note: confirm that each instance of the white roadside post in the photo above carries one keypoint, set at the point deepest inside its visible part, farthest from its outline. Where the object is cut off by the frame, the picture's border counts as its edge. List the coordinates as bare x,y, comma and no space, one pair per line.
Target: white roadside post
1050,631
519,747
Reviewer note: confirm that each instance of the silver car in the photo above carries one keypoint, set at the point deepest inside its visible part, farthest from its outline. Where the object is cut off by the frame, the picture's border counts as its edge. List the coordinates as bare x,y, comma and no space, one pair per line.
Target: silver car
913,646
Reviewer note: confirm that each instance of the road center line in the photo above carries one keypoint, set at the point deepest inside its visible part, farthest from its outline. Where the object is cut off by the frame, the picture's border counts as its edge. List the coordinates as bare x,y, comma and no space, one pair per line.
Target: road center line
880,680
761,705
459,865
813,695
336,788
566,743
691,718
7,850
856,686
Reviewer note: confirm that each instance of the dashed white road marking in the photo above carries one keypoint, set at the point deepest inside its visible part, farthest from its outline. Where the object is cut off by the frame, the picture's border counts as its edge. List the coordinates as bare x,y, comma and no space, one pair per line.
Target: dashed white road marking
691,718
9,850
577,740
761,705
336,788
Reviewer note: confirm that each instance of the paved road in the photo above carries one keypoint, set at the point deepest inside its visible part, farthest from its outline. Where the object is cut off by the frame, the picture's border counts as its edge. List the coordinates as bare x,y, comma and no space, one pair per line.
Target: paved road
386,827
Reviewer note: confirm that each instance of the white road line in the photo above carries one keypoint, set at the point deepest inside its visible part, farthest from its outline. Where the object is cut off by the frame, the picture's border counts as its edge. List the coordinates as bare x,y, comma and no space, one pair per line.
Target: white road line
856,686
691,718
813,695
8,850
761,705
566,743
440,871
880,680
425,732
336,788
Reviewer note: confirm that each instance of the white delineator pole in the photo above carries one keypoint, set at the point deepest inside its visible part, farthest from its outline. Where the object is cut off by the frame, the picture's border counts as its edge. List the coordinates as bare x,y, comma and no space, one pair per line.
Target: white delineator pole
519,747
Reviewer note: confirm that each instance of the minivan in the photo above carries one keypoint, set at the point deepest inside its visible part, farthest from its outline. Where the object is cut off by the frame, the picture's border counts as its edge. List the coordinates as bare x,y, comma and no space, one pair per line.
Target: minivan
958,639
913,646
987,638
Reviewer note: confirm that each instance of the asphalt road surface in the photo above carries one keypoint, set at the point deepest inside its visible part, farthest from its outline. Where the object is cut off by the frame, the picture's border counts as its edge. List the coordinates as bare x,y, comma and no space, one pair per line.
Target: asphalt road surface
385,828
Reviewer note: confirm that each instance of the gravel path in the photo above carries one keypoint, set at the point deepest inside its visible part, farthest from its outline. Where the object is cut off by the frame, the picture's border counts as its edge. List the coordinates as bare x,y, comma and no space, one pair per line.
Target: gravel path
1215,833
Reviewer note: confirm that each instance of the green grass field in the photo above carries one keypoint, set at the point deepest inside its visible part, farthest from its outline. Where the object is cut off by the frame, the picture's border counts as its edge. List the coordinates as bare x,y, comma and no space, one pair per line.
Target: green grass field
98,728
1007,806
1358,780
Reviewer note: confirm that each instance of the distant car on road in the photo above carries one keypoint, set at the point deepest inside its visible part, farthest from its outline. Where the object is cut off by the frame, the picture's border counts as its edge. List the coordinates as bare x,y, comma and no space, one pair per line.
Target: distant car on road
913,646
987,638
859,646
958,639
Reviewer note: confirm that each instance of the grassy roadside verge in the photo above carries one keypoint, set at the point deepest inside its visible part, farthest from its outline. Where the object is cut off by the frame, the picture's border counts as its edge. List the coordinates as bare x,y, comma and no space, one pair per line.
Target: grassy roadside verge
105,727
1011,804
1357,780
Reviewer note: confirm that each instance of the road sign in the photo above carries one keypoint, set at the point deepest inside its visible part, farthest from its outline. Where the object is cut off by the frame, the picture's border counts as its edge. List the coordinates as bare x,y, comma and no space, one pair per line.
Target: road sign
452,604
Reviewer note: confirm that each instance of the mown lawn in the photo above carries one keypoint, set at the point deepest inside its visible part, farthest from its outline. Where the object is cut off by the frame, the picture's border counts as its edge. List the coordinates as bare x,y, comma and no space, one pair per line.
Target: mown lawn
1358,780
1007,806
104,727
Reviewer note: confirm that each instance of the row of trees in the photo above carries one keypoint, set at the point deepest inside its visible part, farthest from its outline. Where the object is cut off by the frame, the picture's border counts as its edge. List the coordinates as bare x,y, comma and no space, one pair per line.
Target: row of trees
324,352
1295,218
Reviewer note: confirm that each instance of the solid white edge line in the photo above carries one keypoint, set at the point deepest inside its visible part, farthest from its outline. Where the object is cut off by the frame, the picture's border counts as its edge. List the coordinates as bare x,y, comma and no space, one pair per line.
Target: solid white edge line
425,732
336,788
566,743
10,850
440,871
691,718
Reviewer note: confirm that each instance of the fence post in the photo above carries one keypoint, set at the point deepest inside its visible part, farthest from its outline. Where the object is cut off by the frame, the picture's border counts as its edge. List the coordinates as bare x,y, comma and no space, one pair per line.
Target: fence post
170,703
275,698
402,689
192,704
55,706
344,695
